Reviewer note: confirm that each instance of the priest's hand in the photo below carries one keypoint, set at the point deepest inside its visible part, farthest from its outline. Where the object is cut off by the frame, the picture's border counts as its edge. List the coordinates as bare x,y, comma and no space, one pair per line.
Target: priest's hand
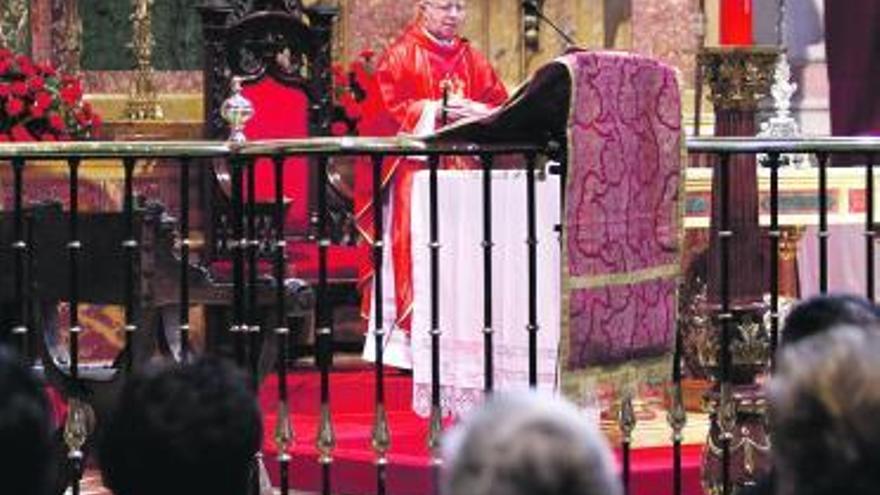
463,108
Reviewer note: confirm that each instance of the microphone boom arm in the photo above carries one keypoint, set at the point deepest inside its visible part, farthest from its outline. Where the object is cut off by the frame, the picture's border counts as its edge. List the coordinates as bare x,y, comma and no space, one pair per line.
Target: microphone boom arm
534,8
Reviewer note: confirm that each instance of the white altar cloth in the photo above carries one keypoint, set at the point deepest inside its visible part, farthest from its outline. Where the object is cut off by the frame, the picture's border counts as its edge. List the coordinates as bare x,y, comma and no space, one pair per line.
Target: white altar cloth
461,286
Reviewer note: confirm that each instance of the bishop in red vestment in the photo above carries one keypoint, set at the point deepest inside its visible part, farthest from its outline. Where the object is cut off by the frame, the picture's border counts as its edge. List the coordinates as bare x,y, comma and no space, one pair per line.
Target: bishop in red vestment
428,59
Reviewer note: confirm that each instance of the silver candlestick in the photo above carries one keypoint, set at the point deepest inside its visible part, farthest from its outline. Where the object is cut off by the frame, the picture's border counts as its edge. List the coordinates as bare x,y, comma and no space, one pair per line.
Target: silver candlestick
782,124
236,111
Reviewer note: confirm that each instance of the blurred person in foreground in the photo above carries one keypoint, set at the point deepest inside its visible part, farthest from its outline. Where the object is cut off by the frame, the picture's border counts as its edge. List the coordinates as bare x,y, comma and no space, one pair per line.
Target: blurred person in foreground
181,430
824,404
25,430
815,316
528,444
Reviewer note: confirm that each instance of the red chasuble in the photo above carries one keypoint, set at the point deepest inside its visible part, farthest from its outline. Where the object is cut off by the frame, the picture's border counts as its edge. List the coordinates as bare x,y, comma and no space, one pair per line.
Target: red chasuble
411,76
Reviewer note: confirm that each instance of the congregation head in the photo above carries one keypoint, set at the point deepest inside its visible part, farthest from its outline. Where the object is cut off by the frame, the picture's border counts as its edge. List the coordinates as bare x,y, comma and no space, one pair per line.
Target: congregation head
819,313
825,400
528,444
182,429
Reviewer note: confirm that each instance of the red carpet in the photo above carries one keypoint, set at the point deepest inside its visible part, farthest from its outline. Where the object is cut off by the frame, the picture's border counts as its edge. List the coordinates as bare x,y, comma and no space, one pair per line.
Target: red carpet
354,470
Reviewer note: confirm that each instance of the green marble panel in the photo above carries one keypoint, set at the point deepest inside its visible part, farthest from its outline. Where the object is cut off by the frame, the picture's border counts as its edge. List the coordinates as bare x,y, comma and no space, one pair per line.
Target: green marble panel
177,30
107,32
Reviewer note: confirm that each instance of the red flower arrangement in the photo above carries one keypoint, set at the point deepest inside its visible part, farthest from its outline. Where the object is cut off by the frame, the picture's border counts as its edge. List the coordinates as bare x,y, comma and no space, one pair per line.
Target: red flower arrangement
39,104
356,95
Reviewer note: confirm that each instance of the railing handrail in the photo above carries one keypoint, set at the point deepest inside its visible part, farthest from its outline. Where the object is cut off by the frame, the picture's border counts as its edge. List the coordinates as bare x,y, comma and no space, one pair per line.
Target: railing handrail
823,144
396,146
208,149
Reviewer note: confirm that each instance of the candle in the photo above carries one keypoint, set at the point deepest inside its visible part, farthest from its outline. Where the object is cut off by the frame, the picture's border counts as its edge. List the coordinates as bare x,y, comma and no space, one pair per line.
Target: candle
736,22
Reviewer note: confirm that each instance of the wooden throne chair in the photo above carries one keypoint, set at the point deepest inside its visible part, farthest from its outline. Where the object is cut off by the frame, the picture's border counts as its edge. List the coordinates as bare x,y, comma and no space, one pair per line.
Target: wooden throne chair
281,54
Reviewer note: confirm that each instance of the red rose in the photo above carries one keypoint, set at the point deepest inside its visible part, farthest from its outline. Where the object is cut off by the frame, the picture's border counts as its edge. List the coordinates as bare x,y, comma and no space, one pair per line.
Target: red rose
43,100
19,88
5,64
47,70
56,122
14,107
5,90
70,93
4,53
96,122
48,137
36,83
25,66
20,133
4,138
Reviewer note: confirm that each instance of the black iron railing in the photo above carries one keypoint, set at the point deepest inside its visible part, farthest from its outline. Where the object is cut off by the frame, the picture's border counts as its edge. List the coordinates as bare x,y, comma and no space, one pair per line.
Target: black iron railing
246,294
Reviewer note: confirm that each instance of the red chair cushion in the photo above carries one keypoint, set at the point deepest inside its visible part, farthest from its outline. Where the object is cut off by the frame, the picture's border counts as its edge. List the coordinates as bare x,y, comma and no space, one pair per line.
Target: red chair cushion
281,112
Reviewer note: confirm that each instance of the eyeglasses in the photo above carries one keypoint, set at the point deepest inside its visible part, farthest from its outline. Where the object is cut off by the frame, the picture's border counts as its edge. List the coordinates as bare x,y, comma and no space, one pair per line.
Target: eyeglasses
448,7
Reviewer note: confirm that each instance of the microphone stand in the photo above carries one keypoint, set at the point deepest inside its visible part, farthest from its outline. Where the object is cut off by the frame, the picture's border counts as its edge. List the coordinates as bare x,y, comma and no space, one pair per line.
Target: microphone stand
531,7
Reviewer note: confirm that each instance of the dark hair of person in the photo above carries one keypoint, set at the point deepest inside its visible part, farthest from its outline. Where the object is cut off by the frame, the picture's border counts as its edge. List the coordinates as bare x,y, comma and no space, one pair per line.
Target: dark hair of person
819,313
824,404
25,429
180,430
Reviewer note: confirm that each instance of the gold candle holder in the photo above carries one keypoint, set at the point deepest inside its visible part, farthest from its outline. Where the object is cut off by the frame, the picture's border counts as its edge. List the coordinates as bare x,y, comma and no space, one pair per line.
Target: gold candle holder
143,103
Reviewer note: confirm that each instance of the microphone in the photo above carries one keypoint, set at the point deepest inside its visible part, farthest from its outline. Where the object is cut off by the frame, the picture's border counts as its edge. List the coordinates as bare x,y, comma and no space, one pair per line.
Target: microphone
531,7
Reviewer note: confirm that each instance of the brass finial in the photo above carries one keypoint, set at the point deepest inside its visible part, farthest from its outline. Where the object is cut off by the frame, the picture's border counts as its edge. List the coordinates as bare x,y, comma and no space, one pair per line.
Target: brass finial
435,433
677,415
326,440
143,104
80,420
284,434
381,438
627,418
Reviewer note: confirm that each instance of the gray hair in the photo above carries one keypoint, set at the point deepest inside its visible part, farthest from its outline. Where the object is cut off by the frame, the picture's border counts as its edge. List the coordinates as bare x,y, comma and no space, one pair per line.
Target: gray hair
528,444
824,405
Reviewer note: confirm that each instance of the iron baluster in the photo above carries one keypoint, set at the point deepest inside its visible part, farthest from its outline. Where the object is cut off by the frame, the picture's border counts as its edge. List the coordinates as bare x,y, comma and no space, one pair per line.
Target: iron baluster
237,244
326,438
725,318
20,248
823,222
870,228
381,436
775,236
532,242
488,163
74,246
252,243
284,433
183,317
130,248
435,428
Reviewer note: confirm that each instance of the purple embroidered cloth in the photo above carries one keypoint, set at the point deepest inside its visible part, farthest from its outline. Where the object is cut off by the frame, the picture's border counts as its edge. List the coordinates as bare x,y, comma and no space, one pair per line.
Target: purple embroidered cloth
621,246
